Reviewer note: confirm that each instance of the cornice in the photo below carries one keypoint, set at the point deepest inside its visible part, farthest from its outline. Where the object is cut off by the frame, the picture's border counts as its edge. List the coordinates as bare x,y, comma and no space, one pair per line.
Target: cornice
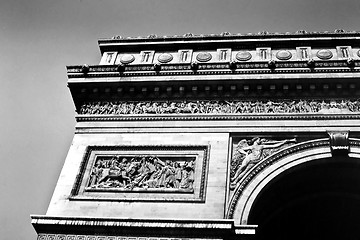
279,67
137,227
228,35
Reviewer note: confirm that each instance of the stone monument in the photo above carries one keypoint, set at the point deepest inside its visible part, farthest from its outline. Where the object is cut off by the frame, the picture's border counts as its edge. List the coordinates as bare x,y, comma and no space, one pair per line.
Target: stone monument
220,136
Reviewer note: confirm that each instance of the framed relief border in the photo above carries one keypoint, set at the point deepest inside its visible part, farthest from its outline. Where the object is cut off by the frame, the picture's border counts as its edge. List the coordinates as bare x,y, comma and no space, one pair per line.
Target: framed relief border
143,173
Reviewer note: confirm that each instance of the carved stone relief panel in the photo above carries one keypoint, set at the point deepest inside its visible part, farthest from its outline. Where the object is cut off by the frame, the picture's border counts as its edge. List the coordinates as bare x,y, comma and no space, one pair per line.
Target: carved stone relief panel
49,236
222,107
130,173
142,172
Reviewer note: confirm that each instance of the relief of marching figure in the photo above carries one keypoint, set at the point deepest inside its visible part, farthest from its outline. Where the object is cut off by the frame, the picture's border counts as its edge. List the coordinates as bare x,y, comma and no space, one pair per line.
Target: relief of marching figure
247,153
144,172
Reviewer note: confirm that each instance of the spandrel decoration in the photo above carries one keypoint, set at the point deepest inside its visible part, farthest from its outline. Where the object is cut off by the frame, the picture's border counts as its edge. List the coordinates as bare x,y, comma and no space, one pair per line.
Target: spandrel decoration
248,152
143,173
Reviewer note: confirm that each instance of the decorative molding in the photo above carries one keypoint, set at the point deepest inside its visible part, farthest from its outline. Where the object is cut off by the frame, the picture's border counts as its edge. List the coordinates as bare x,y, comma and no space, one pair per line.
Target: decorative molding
48,236
225,35
221,107
135,176
203,117
332,66
54,227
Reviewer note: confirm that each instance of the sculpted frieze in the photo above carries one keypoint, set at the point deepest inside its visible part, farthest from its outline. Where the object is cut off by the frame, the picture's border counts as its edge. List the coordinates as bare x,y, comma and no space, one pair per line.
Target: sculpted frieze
221,107
142,172
248,152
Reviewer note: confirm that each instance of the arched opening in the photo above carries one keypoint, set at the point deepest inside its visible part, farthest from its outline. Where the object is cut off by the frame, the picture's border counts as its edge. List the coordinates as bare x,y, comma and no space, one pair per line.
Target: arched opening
318,199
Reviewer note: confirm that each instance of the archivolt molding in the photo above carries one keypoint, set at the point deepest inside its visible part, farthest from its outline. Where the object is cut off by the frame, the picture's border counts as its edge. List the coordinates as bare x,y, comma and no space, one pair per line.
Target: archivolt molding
263,172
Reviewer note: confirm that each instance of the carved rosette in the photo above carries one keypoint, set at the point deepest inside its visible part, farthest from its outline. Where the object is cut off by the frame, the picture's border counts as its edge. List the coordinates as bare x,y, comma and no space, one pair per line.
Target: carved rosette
165,58
243,56
324,54
283,55
203,57
127,58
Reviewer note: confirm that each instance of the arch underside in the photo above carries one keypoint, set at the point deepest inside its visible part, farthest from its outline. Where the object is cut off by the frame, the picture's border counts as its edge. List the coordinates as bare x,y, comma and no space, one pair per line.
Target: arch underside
303,193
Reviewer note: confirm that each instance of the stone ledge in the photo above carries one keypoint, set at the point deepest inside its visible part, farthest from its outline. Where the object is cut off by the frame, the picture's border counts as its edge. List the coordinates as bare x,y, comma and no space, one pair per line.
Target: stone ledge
218,117
135,227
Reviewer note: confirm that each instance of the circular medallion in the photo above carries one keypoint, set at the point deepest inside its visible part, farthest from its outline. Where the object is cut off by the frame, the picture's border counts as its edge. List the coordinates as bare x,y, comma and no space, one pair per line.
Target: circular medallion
165,58
358,53
243,56
203,57
127,58
324,54
283,55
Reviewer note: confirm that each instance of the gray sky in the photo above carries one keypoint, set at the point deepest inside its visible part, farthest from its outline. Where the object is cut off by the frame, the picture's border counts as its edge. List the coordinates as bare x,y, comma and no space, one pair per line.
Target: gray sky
40,37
